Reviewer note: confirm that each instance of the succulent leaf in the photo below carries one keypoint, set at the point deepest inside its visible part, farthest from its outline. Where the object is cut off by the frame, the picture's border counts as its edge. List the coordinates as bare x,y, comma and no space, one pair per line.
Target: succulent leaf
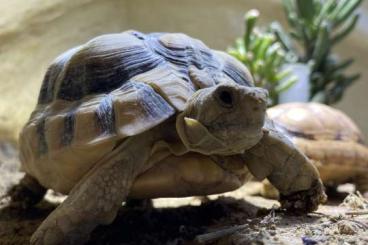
322,45
281,36
346,12
346,31
306,9
251,18
285,85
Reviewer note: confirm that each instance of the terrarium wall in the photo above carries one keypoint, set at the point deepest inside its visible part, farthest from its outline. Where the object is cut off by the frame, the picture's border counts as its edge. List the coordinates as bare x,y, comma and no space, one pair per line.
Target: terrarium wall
33,33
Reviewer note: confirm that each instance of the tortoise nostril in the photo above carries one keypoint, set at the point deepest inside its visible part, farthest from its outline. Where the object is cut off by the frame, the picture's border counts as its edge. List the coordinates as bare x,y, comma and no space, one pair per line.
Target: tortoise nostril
226,98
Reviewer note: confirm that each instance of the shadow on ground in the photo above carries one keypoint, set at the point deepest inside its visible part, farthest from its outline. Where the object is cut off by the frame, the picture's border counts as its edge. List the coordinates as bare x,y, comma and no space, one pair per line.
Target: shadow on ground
138,225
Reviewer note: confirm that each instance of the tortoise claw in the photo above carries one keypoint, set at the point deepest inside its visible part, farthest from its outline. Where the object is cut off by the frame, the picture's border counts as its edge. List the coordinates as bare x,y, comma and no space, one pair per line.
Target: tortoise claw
304,201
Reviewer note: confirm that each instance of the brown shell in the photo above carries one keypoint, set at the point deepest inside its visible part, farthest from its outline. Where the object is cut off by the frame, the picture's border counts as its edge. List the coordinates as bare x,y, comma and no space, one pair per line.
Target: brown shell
315,121
112,87
324,134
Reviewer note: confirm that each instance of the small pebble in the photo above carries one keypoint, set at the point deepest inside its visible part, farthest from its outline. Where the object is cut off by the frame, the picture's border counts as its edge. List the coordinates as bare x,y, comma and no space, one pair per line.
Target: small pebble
346,228
308,241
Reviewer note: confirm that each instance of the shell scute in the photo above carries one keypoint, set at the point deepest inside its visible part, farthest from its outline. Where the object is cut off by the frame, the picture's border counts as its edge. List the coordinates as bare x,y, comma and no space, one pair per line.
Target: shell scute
104,64
315,121
234,69
169,83
139,108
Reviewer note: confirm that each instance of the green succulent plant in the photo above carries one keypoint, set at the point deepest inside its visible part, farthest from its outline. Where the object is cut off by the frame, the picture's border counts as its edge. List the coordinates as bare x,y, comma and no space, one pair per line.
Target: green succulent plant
316,26
263,54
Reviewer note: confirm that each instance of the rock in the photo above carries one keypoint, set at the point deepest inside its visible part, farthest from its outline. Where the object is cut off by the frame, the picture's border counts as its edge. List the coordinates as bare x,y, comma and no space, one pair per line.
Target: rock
308,241
347,228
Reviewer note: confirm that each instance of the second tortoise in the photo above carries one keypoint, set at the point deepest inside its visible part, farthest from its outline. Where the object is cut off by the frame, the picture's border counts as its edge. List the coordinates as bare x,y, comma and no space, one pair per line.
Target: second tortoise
329,138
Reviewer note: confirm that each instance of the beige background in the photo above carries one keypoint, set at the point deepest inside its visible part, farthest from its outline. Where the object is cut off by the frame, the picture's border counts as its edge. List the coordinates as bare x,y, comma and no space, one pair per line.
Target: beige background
33,32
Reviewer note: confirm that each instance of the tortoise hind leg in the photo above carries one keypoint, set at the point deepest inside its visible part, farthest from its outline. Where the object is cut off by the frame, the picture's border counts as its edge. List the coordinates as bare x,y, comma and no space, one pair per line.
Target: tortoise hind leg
27,193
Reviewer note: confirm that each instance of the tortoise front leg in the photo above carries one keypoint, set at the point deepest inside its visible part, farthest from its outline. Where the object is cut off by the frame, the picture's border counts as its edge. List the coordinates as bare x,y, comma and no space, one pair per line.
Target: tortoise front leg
288,169
97,197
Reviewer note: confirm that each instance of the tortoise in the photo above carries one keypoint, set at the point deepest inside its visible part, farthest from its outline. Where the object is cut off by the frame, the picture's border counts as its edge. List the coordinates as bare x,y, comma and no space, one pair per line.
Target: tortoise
134,115
329,138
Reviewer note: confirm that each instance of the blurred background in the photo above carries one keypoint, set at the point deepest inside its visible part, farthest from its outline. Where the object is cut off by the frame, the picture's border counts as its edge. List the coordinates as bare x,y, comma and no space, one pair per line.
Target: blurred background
34,32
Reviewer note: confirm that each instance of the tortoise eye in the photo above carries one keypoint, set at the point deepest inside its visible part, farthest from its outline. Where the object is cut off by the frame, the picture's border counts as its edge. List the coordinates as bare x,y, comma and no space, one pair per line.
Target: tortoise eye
226,98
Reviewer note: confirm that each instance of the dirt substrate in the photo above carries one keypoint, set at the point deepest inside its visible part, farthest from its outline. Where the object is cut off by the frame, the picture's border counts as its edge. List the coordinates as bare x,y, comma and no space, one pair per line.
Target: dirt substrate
234,218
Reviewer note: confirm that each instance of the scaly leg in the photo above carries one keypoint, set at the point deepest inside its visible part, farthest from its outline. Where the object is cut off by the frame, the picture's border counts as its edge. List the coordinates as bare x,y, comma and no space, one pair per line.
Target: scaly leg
97,197
289,170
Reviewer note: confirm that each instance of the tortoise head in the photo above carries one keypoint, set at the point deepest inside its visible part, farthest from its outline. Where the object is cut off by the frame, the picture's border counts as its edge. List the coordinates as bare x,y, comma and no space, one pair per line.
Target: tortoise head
225,119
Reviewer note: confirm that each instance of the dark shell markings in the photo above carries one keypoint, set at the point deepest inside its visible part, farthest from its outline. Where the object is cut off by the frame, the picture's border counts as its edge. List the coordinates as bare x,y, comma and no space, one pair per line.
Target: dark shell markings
92,78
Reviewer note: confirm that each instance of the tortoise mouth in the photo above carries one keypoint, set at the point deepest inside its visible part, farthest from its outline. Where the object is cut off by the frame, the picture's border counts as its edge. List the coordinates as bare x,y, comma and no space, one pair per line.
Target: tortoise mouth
241,145
237,138
233,128
241,134
240,127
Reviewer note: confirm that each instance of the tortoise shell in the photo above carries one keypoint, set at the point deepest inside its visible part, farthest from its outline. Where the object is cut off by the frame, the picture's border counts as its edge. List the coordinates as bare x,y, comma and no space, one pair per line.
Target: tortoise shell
315,121
326,135
112,87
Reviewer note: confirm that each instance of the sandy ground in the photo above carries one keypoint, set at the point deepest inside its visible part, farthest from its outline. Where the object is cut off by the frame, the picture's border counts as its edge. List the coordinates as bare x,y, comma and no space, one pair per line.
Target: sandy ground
232,218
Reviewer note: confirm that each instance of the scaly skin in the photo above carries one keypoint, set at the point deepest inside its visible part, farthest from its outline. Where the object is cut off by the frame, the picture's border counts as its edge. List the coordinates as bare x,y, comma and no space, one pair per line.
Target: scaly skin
97,197
289,170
